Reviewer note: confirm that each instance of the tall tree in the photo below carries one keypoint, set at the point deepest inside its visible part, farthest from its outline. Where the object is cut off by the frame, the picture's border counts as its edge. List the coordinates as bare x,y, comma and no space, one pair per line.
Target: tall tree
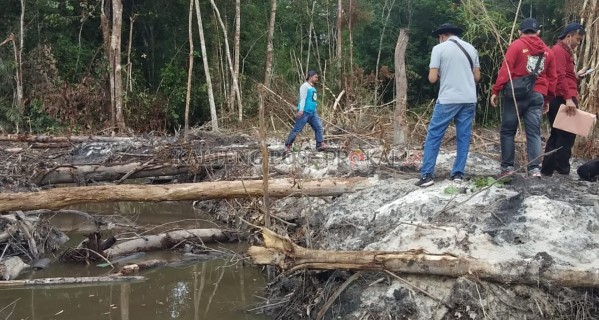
589,56
213,115
190,70
401,89
236,40
111,33
269,42
116,79
228,54
339,33
19,58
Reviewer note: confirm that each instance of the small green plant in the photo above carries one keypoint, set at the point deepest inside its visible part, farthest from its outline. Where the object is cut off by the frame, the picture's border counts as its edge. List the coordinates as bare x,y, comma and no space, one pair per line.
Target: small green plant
484,182
451,190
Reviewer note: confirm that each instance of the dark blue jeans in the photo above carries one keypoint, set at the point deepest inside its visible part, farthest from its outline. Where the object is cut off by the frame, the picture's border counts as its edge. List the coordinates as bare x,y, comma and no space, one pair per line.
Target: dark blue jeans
307,118
530,111
462,114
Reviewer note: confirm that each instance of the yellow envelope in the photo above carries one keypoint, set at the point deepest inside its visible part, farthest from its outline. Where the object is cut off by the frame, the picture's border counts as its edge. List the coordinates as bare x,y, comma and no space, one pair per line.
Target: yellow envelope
581,123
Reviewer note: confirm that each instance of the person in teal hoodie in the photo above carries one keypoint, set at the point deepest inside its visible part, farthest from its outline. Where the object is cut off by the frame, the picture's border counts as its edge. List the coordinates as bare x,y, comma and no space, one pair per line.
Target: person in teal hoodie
306,114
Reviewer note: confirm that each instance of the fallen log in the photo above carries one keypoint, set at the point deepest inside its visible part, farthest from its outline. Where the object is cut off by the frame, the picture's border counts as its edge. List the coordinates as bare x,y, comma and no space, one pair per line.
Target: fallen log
44,138
10,268
290,257
278,188
97,173
69,281
165,241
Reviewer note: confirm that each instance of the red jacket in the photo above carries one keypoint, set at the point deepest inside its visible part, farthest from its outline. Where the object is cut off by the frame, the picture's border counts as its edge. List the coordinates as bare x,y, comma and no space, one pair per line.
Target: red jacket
518,60
567,82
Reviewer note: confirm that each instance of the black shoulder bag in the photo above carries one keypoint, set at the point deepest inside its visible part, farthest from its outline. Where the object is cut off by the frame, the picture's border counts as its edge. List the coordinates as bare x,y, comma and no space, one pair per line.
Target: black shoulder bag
520,88
465,53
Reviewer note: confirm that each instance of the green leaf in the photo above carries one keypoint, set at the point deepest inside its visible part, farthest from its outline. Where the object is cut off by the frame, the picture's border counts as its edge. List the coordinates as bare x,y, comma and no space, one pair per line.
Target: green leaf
451,190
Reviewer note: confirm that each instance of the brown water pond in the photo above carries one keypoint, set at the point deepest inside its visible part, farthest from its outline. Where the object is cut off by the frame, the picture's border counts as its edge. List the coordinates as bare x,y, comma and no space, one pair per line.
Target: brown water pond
216,289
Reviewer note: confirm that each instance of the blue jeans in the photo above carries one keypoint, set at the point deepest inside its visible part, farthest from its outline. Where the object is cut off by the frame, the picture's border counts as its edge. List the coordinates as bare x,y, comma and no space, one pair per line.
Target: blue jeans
530,112
309,118
462,114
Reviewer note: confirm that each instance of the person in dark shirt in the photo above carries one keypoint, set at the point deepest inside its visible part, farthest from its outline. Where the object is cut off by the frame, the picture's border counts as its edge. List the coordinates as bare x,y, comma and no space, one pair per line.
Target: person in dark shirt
566,93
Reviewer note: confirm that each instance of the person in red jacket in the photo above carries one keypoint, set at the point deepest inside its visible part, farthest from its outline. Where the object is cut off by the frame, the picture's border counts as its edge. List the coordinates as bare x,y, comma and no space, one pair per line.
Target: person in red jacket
566,92
520,60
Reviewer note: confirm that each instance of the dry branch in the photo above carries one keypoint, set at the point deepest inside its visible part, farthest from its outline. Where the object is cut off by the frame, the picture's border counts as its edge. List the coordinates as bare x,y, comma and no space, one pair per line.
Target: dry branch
44,138
278,188
289,256
95,172
68,281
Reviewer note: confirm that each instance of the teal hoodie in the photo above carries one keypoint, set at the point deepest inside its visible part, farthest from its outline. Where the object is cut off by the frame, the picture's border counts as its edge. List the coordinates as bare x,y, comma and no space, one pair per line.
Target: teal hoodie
307,101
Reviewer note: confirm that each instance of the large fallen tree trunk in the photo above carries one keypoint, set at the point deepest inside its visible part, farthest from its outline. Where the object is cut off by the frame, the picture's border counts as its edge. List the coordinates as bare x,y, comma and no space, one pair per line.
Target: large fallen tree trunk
97,173
69,281
278,188
284,253
42,138
165,241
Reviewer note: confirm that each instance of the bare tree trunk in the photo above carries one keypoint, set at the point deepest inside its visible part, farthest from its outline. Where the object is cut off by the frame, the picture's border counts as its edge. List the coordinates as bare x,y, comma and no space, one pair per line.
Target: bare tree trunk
269,43
213,115
116,79
228,53
69,280
351,42
310,36
278,188
290,257
165,241
190,70
389,7
105,25
236,39
265,159
339,34
19,60
129,84
589,57
401,88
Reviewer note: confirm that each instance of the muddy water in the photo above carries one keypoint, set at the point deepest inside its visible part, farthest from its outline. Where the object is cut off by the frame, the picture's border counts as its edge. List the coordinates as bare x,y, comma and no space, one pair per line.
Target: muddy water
216,289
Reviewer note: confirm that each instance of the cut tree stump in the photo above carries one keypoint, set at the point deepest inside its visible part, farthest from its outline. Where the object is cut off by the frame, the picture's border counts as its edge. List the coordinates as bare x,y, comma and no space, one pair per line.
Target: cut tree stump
278,188
97,173
165,241
290,257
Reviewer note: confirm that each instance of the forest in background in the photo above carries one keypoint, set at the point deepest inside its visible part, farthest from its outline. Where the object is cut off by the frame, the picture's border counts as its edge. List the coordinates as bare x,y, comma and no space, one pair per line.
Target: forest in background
58,64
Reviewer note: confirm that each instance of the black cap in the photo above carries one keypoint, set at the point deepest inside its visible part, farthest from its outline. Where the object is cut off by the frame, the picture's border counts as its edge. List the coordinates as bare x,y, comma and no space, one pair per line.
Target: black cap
529,24
310,74
571,27
447,28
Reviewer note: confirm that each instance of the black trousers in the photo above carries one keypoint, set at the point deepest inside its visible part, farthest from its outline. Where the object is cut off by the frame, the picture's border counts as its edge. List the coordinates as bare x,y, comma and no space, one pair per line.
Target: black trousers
589,171
560,160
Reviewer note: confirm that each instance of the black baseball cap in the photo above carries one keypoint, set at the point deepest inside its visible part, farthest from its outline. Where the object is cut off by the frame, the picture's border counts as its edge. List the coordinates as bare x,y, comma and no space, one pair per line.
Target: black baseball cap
529,24
571,27
310,74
